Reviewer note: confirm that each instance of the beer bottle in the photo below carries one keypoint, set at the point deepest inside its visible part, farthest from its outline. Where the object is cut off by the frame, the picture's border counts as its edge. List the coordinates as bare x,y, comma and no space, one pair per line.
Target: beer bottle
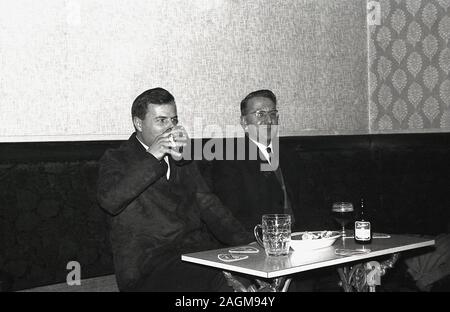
363,230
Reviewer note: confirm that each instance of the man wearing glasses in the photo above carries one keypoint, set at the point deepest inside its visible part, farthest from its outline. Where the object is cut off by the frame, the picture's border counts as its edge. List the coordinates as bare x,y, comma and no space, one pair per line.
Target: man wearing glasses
261,182
159,208
257,183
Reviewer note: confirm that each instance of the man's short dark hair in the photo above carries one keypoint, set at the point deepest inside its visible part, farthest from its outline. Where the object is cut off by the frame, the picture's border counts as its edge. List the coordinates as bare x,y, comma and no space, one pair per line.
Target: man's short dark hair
259,93
155,96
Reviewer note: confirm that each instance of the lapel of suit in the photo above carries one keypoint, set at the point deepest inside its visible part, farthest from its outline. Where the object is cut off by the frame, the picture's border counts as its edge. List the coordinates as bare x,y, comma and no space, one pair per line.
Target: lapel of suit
139,151
277,174
254,159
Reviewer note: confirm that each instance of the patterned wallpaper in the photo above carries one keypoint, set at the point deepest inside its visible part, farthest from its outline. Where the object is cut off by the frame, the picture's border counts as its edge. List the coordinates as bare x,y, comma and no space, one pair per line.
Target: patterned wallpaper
72,71
409,65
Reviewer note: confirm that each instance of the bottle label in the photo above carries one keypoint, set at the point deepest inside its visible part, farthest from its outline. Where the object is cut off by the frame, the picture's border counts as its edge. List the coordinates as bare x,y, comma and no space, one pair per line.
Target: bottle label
362,230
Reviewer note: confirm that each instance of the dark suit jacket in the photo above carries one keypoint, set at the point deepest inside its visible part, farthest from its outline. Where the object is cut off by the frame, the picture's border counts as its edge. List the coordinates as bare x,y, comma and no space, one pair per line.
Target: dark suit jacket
250,192
153,221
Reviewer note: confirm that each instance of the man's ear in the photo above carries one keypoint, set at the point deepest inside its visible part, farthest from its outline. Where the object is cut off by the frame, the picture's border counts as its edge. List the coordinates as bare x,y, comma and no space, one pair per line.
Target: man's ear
243,122
137,123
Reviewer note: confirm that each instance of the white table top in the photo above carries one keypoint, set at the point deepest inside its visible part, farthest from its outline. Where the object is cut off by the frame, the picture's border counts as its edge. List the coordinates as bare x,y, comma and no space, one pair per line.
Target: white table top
260,265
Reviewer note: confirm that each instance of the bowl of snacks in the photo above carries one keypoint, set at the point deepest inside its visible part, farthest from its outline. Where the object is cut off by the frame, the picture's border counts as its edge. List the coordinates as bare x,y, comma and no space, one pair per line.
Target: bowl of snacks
310,240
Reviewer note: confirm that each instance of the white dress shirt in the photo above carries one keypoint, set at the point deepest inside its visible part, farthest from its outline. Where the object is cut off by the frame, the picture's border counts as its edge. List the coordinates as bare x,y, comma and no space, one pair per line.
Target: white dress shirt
263,149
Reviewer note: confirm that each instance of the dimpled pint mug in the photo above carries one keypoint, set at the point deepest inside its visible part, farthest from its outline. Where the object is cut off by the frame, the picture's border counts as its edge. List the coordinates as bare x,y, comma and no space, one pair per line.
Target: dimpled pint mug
276,234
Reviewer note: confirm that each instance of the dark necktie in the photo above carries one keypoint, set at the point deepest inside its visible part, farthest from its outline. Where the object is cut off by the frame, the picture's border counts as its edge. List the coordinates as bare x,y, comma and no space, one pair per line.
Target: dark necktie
287,208
269,151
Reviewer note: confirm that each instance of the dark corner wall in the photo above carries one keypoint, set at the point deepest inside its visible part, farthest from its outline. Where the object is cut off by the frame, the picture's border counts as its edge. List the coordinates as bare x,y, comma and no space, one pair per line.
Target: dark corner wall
49,215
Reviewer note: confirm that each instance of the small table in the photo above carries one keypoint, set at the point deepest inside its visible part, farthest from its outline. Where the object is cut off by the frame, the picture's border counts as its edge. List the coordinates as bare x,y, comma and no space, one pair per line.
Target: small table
351,268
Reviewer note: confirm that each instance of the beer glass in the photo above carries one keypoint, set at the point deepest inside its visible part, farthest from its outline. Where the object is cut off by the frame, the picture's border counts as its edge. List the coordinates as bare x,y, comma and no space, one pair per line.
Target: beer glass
276,234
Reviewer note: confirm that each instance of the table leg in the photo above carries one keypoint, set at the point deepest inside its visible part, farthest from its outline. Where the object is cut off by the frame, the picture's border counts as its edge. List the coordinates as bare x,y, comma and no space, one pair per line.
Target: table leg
364,277
280,284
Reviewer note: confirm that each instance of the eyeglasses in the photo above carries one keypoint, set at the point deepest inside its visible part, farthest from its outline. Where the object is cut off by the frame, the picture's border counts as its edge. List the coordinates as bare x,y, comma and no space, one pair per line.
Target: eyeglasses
262,114
165,121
